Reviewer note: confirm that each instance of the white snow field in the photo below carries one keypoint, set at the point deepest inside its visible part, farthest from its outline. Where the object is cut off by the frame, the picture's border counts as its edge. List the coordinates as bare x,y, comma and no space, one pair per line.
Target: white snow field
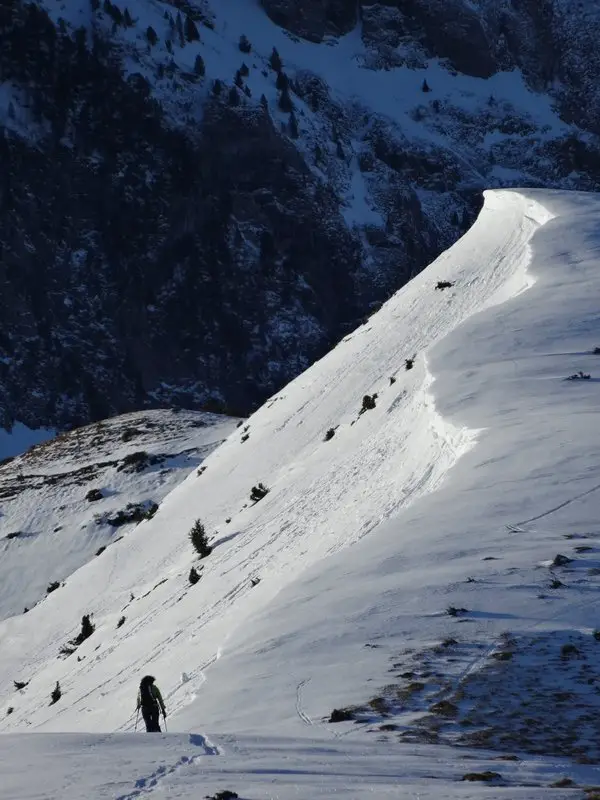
50,525
406,565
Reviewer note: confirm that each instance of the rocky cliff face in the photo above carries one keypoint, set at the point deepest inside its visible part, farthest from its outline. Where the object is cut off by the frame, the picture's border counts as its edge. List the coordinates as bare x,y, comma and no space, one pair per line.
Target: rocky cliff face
191,217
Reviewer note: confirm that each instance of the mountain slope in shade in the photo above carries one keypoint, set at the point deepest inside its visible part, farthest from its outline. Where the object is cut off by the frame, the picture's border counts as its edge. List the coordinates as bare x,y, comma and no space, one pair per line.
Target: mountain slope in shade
188,217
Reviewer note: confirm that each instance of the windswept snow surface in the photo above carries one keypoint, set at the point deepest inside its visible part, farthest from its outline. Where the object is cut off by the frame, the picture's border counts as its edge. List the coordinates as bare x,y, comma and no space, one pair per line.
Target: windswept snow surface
481,451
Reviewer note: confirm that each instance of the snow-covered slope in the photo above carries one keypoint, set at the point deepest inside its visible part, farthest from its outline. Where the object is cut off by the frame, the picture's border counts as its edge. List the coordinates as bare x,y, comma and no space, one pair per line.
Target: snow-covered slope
65,501
404,562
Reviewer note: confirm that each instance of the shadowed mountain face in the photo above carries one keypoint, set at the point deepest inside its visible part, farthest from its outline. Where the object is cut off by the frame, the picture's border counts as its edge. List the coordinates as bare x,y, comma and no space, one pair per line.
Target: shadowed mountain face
184,228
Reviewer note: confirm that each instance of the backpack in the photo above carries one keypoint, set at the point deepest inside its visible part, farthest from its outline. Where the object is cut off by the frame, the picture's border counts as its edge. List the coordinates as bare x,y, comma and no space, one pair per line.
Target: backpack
146,694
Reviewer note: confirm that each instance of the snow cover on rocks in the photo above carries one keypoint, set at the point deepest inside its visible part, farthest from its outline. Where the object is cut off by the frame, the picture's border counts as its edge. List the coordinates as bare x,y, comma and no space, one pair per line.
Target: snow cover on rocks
427,518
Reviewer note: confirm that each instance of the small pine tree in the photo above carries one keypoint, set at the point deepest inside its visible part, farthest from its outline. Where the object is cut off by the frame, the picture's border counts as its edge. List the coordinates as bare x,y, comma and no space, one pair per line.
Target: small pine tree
217,88
264,102
127,19
234,98
238,80
244,70
275,61
194,576
282,81
425,87
247,91
56,694
86,627
151,36
199,539
191,31
95,4
179,29
293,126
199,67
285,102
244,44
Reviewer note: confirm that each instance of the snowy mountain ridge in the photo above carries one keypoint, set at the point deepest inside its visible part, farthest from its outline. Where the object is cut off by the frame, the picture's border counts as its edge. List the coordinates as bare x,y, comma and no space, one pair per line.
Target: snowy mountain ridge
228,213
403,567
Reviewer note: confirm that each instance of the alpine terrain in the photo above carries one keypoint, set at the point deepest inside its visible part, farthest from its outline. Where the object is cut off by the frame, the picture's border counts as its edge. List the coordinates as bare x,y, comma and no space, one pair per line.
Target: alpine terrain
384,582
198,199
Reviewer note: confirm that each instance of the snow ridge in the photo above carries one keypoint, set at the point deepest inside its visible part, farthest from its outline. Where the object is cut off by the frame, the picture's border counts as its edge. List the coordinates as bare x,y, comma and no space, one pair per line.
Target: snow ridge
434,463
377,463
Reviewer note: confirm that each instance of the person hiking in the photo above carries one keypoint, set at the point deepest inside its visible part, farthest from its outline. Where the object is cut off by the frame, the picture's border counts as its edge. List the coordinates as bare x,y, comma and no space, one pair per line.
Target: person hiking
151,702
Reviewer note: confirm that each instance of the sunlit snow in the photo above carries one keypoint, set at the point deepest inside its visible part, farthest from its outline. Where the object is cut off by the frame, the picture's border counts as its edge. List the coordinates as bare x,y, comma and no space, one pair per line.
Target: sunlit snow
422,533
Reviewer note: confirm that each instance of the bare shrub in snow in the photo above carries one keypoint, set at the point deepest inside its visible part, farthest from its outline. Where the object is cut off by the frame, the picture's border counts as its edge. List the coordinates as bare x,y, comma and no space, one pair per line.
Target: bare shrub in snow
194,576
258,492
56,694
368,403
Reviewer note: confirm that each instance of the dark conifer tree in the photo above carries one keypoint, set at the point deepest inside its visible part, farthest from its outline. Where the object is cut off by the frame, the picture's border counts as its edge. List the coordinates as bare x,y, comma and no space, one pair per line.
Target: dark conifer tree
151,35
199,67
285,101
275,60
282,81
191,31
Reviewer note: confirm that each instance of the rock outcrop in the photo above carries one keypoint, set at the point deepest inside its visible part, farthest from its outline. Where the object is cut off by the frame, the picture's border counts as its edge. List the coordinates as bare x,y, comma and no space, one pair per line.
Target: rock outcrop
313,19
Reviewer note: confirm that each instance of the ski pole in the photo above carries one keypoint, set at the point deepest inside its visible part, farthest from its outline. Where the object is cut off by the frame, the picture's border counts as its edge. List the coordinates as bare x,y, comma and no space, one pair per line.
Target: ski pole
136,720
165,719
